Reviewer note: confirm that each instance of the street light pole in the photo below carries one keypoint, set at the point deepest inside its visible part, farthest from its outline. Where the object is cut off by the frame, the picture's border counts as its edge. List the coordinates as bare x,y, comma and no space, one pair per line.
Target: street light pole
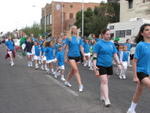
82,18
45,19
62,19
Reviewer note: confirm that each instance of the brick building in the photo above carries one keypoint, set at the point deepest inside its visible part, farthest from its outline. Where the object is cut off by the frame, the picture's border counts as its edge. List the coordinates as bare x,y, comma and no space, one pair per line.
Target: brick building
61,15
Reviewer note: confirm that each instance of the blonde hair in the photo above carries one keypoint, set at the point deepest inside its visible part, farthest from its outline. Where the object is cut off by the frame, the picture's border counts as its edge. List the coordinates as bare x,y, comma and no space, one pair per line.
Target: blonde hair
72,32
51,43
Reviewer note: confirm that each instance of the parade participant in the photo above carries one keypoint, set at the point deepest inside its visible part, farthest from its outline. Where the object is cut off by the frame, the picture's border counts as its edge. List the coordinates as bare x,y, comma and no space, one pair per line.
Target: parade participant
129,46
50,57
86,47
10,50
141,65
60,59
43,56
74,46
36,50
28,49
123,56
58,43
104,51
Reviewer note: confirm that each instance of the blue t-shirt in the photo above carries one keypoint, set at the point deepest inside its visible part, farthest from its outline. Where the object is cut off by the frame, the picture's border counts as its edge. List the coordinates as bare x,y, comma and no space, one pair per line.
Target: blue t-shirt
60,58
123,55
34,39
142,54
105,51
41,42
97,39
86,47
10,45
37,50
43,50
128,46
64,41
56,48
74,44
49,53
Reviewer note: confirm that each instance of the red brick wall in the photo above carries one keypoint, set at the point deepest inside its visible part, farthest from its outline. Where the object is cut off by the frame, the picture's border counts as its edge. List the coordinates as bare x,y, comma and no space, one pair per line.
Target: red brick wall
68,8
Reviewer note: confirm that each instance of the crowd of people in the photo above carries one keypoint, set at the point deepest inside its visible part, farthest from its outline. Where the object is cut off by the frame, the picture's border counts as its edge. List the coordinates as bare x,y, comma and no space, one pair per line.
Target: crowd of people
98,55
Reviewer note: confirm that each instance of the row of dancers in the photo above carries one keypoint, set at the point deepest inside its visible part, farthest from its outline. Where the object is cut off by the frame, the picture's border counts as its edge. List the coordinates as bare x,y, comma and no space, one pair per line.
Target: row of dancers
98,56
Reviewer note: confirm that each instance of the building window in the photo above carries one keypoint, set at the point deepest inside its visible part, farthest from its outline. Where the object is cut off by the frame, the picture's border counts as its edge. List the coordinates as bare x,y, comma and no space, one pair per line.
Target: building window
120,33
146,1
71,15
111,27
71,6
47,20
50,19
128,32
130,4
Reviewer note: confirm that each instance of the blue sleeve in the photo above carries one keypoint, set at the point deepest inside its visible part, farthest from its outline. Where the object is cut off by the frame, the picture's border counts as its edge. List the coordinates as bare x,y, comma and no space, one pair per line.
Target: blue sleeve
137,52
57,56
46,50
96,48
81,42
114,49
67,41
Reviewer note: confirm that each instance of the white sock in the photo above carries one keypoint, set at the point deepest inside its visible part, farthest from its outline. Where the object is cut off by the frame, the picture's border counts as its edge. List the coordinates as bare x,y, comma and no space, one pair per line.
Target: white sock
62,76
45,66
133,106
52,70
30,63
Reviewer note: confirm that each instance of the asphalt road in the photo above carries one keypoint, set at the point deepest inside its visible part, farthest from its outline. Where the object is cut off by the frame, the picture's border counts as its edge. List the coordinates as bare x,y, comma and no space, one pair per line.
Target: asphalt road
26,90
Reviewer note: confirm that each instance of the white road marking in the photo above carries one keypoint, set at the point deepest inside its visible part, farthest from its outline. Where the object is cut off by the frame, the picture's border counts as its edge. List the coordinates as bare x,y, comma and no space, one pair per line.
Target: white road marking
62,85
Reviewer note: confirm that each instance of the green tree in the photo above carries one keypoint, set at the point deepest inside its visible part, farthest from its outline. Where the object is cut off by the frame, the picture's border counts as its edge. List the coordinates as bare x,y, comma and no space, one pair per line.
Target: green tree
88,15
95,21
34,29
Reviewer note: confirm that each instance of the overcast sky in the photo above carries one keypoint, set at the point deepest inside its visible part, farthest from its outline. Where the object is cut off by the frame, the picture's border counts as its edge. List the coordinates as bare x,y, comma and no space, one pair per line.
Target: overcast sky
16,14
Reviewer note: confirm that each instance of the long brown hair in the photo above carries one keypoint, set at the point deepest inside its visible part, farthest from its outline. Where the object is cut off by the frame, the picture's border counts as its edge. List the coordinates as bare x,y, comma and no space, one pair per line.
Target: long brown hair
139,37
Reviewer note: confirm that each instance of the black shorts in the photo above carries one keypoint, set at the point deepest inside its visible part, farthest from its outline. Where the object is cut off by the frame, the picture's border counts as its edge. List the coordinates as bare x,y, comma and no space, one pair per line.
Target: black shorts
105,70
141,75
77,59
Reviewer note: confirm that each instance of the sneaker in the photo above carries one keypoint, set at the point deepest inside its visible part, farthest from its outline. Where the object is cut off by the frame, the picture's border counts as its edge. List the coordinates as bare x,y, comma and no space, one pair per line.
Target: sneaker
36,66
120,76
53,72
129,111
81,88
12,64
90,68
48,72
67,84
31,64
46,69
85,64
124,77
28,64
55,76
107,103
42,67
62,78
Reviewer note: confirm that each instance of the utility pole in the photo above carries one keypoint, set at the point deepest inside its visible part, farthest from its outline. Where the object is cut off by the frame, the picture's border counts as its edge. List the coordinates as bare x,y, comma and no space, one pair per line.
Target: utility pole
82,18
62,17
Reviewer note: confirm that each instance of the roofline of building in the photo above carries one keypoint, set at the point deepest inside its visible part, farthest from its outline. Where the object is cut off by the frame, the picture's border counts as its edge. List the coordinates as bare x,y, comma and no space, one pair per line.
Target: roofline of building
76,2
